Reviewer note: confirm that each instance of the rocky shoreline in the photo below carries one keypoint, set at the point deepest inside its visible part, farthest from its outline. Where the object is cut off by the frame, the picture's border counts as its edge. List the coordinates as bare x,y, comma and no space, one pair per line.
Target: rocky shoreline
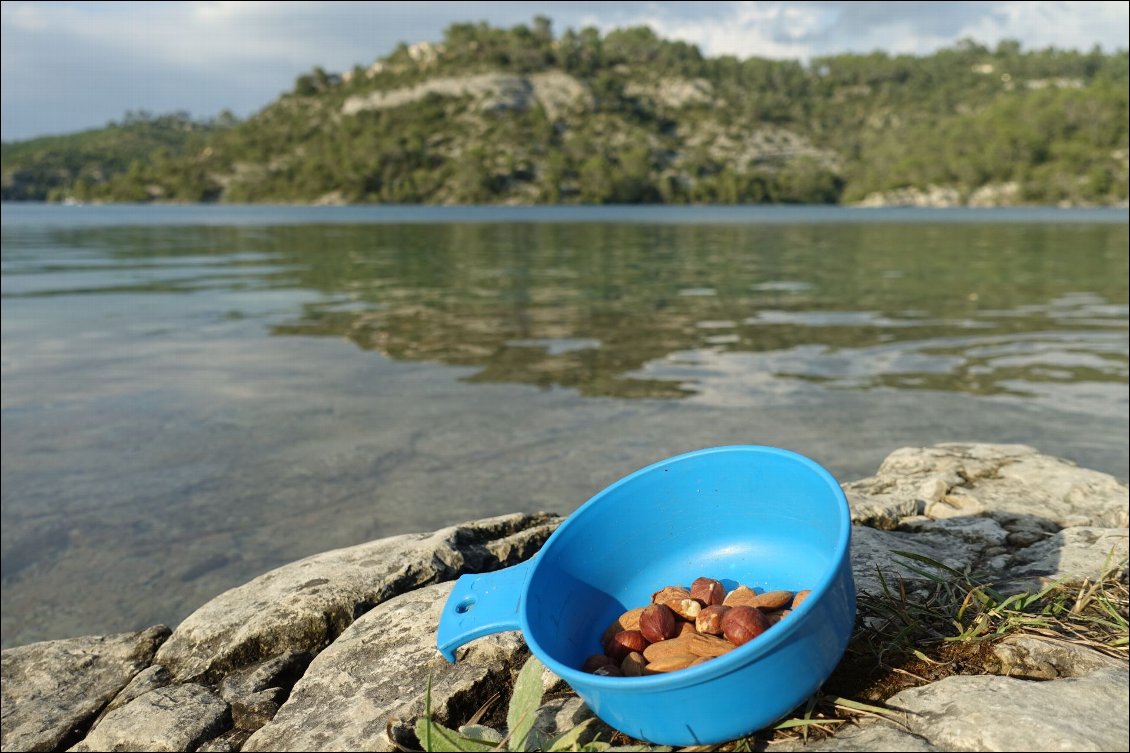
334,652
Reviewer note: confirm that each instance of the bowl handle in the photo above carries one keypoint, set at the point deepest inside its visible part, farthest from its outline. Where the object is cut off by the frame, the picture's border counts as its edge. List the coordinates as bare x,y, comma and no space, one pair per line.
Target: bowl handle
482,604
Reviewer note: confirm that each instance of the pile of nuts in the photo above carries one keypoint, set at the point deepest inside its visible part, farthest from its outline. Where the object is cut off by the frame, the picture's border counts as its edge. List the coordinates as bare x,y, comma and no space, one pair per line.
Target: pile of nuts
686,627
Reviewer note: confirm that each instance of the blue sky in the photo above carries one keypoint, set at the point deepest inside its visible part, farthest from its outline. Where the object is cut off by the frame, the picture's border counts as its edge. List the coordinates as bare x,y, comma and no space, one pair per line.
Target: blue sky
67,66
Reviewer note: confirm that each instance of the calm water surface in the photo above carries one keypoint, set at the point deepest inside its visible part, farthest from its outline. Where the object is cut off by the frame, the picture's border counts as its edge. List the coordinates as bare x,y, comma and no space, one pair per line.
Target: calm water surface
193,395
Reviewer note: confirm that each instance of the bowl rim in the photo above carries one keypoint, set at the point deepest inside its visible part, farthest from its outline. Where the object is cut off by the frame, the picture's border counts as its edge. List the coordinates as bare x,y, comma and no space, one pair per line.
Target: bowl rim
742,655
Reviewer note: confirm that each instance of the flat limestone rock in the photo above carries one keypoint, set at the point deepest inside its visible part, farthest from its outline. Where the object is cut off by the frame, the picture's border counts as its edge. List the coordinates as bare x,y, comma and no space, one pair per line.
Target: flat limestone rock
152,677
374,676
978,713
277,672
999,480
53,689
305,605
256,692
866,736
1070,555
874,551
1038,658
174,718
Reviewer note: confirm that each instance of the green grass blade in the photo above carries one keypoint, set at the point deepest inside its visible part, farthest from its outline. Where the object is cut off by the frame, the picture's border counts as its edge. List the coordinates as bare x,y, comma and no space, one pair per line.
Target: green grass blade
929,561
847,703
444,740
792,723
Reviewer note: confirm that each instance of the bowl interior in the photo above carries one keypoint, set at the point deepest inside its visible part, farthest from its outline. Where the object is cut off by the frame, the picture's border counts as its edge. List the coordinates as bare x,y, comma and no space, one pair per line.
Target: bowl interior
762,517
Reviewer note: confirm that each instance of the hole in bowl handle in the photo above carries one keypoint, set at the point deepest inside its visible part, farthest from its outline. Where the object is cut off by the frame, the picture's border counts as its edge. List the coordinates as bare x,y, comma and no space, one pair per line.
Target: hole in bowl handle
482,604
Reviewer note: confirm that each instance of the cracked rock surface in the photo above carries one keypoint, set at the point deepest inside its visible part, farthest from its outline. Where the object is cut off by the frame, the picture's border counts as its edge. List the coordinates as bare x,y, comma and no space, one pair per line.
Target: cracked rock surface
305,605
370,684
53,689
335,651
172,718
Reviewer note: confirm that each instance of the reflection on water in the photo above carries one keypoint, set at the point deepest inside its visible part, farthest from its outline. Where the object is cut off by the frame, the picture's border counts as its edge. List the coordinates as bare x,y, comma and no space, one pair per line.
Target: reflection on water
713,313
187,404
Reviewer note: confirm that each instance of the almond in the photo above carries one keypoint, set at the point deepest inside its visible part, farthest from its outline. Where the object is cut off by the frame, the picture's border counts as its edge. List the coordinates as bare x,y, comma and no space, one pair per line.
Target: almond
670,663
740,596
800,597
669,594
672,647
771,600
775,617
709,645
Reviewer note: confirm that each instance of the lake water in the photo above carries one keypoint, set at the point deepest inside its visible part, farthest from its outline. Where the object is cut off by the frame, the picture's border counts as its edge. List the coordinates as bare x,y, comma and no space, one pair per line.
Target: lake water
194,395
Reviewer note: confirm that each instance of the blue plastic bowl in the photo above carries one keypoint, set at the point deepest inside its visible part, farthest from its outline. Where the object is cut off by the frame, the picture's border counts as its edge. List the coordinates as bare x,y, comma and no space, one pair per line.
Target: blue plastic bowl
761,516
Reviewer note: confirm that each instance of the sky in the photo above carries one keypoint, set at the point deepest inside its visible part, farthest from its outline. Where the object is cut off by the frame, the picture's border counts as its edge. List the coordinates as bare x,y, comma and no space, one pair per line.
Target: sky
69,66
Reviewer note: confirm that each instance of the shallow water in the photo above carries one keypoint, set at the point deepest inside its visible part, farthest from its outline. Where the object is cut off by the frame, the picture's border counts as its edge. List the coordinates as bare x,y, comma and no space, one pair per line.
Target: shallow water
192,395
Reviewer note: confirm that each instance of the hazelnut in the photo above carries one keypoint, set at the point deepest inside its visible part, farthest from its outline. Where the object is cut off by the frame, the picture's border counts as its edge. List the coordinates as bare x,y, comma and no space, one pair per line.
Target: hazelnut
679,600
624,643
742,624
633,664
595,662
688,609
657,623
708,591
709,619
630,620
608,670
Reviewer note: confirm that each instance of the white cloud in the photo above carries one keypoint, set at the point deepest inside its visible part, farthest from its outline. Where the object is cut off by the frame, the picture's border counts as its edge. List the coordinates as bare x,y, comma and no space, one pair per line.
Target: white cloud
1066,25
771,30
806,29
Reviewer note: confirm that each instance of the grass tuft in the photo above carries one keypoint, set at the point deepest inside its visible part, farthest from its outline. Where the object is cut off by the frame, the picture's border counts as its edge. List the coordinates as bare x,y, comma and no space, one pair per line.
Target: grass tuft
917,632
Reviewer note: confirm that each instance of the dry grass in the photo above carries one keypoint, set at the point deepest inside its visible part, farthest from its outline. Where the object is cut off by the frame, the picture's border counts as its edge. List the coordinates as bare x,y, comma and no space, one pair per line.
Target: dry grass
944,623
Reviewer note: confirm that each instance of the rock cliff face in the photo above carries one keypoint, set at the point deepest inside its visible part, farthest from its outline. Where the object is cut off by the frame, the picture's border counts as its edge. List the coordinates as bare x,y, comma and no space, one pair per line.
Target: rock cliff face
335,652
554,91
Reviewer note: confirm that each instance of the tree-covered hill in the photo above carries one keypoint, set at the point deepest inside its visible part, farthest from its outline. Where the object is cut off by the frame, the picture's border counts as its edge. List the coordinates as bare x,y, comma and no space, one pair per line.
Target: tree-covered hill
523,116
78,164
